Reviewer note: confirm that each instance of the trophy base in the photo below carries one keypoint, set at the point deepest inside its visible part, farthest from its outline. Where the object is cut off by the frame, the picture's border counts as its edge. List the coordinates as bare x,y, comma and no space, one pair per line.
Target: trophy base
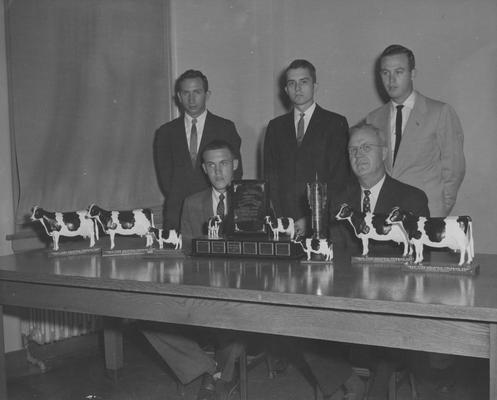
253,247
381,261
74,252
164,253
442,268
125,252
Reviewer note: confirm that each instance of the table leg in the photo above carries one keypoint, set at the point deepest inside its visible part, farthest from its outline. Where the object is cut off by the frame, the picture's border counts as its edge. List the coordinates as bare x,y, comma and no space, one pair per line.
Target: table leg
493,361
3,375
113,343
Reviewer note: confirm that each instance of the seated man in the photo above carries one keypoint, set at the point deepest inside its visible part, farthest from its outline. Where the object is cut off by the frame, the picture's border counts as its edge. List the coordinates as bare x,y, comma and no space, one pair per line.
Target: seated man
372,190
182,353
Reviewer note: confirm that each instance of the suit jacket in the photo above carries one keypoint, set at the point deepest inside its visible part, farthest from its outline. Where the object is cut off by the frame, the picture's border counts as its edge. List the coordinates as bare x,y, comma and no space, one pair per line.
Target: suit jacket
288,167
392,194
197,209
430,155
176,176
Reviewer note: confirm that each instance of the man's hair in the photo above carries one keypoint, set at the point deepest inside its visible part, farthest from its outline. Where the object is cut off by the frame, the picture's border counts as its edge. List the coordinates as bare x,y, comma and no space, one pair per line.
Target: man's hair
218,144
191,74
363,125
302,64
395,49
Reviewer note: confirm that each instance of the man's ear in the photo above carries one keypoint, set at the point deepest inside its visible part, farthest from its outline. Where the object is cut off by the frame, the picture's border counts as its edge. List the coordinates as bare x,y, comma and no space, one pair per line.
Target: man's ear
235,164
204,168
207,95
384,153
413,73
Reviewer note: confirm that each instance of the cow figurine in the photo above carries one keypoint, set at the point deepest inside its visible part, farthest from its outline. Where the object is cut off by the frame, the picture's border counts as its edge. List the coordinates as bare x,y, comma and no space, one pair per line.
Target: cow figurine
170,236
213,225
130,222
281,225
317,246
72,223
373,226
454,232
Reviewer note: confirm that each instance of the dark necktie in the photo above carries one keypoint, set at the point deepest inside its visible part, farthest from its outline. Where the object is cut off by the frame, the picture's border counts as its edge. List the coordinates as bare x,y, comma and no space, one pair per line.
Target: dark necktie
220,206
366,202
193,142
300,129
398,131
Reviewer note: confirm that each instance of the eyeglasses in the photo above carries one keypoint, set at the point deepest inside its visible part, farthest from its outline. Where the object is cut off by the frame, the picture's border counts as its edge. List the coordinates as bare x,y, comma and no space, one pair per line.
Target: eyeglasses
365,148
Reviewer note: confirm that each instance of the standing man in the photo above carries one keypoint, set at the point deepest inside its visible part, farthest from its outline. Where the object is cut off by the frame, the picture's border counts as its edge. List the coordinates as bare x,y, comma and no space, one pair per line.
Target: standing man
424,136
178,143
306,143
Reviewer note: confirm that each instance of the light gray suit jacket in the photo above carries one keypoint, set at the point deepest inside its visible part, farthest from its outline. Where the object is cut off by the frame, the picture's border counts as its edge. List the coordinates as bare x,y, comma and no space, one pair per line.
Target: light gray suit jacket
430,156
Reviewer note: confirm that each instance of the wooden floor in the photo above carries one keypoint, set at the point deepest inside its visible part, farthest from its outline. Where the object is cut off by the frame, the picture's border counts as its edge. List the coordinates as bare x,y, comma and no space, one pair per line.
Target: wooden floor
145,377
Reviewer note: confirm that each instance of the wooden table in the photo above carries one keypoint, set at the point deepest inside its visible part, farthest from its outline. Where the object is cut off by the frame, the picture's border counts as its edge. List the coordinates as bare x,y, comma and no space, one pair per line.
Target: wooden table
373,305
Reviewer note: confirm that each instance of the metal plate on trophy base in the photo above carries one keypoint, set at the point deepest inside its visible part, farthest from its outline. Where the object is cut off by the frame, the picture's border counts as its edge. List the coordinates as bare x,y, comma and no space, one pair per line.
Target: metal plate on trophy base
381,261
164,253
239,246
442,268
74,252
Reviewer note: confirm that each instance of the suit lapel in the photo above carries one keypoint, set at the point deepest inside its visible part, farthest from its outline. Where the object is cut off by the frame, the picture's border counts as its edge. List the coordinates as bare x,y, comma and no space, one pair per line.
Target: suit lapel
314,126
384,196
207,204
384,127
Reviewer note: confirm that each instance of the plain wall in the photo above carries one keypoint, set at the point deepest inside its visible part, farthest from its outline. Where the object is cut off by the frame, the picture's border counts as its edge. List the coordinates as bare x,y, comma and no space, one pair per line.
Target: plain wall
243,46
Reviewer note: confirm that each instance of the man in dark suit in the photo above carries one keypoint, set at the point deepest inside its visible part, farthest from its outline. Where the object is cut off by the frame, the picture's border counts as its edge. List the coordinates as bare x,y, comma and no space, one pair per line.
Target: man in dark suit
181,350
177,144
375,191
306,143
367,153
424,136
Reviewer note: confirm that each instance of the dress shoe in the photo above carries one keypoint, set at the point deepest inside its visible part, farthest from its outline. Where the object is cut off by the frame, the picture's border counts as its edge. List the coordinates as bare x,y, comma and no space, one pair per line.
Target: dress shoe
207,390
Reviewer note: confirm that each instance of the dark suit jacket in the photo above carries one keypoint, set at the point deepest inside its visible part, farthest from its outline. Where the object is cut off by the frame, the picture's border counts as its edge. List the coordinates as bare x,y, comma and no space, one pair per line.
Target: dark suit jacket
176,176
197,209
288,167
392,194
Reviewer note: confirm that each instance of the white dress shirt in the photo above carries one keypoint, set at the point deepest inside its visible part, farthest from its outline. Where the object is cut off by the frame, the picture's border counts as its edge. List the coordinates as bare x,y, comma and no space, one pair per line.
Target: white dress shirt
375,192
307,117
406,111
200,127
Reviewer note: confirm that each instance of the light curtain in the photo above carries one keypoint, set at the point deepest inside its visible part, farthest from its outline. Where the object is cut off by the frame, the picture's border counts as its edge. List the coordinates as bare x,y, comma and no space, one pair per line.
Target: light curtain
89,84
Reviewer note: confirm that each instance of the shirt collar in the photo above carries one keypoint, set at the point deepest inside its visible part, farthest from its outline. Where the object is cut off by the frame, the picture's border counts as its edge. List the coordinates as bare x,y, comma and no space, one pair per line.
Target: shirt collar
200,118
308,113
408,103
375,190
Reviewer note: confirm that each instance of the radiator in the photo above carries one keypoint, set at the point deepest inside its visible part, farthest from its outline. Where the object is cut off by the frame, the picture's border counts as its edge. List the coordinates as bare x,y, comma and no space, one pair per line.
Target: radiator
46,326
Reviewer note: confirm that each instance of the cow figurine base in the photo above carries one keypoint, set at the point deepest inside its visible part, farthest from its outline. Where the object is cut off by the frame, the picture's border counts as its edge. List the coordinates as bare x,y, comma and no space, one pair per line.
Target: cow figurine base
442,268
382,261
74,252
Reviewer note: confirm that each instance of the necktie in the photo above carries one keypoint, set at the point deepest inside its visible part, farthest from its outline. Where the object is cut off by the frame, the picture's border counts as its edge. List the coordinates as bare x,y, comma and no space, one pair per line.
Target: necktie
193,142
300,129
220,206
398,131
366,202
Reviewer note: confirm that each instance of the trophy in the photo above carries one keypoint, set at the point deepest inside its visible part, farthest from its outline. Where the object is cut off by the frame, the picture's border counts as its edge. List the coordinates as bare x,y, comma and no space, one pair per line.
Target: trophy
317,198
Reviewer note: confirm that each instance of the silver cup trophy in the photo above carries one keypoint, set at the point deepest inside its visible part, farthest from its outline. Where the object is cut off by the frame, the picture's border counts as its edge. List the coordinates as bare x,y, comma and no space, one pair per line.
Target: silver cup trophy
317,198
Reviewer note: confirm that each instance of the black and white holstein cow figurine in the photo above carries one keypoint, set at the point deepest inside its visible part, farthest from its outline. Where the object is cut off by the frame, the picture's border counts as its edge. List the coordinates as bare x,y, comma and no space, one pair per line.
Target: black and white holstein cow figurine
72,223
317,246
454,232
373,226
130,222
170,236
213,225
281,225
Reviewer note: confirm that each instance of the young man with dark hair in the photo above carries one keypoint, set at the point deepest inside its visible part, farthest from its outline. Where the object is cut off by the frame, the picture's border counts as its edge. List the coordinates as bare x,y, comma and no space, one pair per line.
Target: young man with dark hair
178,143
307,143
424,137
